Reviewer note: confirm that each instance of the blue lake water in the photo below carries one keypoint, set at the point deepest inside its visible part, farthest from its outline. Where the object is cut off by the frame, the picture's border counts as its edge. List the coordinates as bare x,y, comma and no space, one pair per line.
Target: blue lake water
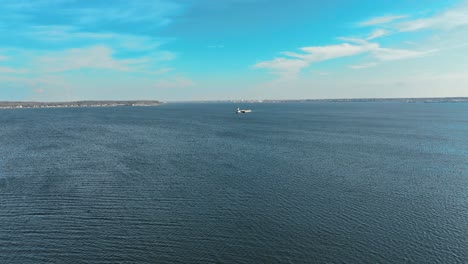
193,183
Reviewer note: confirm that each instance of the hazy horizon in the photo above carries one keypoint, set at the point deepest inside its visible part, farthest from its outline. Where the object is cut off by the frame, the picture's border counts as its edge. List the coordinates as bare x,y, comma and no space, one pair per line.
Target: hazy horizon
186,50
238,100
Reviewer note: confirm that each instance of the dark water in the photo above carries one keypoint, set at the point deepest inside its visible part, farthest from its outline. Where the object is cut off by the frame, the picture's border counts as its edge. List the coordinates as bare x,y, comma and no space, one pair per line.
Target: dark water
191,183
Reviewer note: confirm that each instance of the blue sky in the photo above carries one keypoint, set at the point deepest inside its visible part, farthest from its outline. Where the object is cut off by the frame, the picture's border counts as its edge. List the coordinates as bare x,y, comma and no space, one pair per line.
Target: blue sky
55,50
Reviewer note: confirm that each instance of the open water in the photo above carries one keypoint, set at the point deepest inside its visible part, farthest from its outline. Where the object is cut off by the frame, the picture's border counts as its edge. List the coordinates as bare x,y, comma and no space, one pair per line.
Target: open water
193,183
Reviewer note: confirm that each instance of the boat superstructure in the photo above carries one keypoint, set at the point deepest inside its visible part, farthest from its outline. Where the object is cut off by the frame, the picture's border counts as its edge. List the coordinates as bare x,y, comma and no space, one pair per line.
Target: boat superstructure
243,111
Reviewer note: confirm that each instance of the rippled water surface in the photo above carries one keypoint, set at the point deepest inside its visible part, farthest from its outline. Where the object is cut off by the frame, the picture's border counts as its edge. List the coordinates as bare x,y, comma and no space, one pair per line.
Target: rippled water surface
192,183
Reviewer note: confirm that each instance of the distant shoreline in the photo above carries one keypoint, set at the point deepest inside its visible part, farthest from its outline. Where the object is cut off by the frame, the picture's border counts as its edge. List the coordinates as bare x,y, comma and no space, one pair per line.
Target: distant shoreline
89,103
403,100
20,104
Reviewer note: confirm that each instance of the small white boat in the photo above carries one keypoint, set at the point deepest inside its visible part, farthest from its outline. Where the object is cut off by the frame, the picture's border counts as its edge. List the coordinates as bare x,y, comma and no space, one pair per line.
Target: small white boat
243,111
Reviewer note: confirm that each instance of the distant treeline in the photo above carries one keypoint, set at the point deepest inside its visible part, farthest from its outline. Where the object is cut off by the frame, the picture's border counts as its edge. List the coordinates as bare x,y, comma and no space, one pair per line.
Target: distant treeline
11,104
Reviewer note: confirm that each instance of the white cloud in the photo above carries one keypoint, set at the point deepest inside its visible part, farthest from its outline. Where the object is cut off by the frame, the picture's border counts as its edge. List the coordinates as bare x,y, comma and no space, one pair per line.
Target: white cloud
3,58
73,35
163,70
98,57
449,31
284,67
162,56
42,86
381,20
287,67
385,54
12,70
365,85
56,33
378,33
363,66
323,53
137,43
155,13
451,18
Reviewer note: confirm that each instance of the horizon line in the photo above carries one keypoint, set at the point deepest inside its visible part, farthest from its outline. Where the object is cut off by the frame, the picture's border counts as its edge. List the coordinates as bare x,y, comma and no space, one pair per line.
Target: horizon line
238,100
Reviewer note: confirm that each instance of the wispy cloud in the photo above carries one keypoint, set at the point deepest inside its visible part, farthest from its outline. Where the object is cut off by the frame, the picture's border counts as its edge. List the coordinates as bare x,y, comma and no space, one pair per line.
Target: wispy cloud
378,33
163,70
56,33
292,67
98,57
54,41
58,24
323,53
72,36
363,66
92,35
151,14
381,20
286,68
156,13
451,18
293,62
12,70
385,54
